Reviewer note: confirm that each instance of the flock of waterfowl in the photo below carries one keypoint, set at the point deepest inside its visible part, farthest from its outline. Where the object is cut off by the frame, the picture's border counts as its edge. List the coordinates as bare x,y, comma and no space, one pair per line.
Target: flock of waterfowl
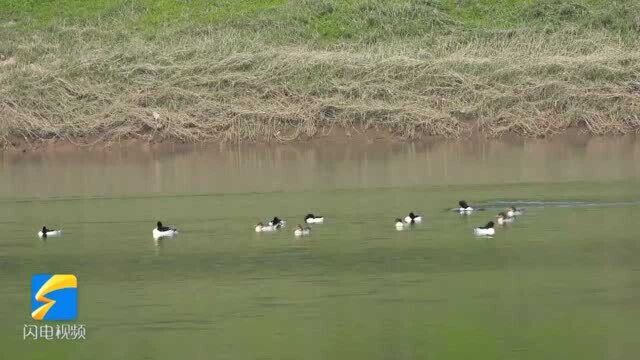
277,224
503,217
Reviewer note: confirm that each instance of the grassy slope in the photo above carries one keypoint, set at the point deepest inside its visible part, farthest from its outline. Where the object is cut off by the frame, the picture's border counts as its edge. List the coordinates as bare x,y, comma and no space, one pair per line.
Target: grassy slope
248,69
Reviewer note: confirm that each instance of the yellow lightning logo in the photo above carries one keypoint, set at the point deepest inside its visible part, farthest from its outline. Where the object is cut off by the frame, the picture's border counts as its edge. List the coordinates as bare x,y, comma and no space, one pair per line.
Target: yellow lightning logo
56,282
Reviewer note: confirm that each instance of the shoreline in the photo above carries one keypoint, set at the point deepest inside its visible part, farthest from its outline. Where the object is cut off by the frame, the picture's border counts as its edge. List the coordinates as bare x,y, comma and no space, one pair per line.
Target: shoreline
335,137
521,69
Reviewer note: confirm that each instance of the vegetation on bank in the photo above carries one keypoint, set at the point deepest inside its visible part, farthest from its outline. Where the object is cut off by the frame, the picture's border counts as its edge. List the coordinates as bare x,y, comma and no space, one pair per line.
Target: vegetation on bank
196,70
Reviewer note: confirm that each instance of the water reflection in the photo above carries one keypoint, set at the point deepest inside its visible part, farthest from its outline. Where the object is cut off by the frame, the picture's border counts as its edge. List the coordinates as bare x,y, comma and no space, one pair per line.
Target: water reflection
321,165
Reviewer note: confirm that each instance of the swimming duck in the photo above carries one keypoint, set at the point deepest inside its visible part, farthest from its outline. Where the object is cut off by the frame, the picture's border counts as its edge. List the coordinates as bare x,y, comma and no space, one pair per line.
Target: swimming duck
45,233
413,218
277,223
312,219
503,218
300,231
260,227
164,231
512,211
399,224
464,207
486,230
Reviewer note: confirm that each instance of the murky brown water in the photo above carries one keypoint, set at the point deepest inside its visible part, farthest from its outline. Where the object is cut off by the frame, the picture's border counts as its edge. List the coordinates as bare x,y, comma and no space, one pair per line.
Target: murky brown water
298,167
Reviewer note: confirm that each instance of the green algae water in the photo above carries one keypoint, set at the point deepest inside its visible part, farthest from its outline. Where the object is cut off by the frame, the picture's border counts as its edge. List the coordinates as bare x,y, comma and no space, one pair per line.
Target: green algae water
561,282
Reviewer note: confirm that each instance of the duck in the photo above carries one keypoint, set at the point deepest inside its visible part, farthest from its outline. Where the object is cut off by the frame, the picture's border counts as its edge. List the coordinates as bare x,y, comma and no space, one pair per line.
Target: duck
464,207
413,218
486,230
503,218
399,224
312,219
163,231
512,211
260,227
45,233
300,231
277,223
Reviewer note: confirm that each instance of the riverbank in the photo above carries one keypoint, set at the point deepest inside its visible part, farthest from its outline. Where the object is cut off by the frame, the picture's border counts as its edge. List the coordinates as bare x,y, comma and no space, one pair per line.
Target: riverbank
272,71
359,141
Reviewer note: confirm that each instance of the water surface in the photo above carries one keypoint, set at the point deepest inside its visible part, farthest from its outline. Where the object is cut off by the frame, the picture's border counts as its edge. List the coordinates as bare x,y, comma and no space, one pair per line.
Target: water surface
561,282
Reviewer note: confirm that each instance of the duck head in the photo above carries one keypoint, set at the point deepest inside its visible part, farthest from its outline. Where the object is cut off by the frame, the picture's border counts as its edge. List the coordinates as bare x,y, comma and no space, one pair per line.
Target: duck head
463,204
412,215
489,225
276,220
309,216
159,224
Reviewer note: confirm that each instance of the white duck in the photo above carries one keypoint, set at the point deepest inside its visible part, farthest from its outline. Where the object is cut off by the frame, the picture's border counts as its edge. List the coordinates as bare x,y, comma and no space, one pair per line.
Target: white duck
464,207
400,224
413,218
164,231
260,227
277,223
312,219
512,212
46,233
300,231
486,230
504,218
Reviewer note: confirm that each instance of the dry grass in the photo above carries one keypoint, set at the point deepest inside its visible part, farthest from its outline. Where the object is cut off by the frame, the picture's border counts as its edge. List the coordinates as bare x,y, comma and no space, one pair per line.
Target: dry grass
93,82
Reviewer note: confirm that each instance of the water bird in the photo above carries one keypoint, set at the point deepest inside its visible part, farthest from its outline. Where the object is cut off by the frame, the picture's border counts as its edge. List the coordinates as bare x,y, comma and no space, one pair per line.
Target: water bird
399,224
486,230
45,233
464,207
312,219
512,211
300,231
260,227
277,222
503,218
163,231
413,218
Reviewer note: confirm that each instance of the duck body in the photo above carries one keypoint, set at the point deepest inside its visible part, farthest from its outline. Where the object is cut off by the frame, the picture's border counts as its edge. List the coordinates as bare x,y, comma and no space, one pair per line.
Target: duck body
312,219
413,218
277,223
300,231
484,232
164,231
464,208
513,212
487,230
46,233
157,234
504,219
265,228
400,225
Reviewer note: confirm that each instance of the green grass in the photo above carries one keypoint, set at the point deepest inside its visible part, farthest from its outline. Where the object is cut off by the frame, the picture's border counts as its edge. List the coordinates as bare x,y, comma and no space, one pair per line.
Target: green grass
334,19
234,70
